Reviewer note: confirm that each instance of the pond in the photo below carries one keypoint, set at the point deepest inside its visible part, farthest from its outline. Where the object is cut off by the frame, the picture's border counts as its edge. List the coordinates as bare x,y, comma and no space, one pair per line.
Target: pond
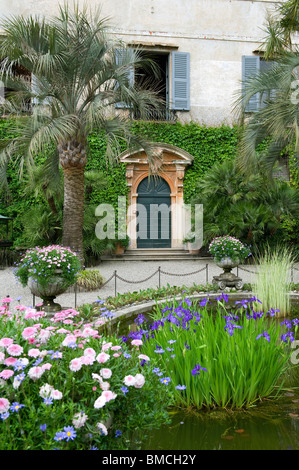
270,425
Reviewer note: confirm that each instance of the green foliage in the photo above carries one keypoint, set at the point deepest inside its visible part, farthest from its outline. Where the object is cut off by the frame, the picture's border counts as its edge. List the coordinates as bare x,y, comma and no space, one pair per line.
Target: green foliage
90,279
208,146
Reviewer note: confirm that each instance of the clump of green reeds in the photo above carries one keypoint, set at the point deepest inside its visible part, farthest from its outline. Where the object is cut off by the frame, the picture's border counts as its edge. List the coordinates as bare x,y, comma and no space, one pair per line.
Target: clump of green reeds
272,281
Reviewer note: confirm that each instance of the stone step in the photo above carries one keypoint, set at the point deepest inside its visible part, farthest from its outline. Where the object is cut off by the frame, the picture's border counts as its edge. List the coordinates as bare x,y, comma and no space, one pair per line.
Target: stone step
154,254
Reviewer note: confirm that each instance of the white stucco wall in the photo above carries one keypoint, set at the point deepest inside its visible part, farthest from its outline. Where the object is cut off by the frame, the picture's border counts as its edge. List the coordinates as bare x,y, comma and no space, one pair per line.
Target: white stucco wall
215,32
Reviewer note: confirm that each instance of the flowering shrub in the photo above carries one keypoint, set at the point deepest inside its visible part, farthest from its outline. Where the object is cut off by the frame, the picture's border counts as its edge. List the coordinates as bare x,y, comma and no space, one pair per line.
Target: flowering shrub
223,359
228,247
63,385
41,264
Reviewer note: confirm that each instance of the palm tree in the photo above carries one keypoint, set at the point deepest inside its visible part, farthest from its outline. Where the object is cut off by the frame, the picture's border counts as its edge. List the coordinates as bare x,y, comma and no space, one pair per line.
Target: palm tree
277,121
277,117
77,79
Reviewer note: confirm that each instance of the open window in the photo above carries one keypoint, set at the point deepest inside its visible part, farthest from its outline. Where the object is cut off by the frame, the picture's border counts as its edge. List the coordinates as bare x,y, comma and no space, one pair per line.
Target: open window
172,84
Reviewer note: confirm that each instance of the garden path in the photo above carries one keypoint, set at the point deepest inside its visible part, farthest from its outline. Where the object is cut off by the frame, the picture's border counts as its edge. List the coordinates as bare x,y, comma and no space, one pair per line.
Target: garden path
136,271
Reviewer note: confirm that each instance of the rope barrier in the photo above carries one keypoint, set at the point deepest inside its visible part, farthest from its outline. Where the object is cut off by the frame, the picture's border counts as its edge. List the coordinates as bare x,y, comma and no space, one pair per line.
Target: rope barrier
160,271
136,282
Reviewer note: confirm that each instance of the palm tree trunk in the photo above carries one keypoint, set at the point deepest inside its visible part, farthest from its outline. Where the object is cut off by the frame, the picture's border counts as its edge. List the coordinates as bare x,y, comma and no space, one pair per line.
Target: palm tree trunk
72,157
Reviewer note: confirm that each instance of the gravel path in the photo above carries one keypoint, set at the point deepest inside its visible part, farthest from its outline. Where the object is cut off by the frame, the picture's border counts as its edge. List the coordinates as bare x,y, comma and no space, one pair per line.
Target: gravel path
136,271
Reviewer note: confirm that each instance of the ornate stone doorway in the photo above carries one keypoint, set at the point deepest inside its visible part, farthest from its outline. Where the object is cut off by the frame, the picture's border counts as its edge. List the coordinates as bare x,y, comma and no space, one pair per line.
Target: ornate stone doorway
172,170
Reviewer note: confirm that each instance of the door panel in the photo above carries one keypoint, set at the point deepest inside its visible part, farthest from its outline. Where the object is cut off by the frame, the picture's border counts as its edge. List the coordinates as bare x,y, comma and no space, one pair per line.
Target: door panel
154,214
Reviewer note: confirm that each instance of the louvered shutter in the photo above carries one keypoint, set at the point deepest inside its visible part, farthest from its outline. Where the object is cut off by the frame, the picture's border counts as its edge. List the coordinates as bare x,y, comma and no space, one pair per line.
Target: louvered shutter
250,68
119,57
180,81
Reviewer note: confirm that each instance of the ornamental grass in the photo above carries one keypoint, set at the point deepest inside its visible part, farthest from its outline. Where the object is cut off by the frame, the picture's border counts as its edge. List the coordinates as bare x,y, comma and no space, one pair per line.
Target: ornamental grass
217,359
272,280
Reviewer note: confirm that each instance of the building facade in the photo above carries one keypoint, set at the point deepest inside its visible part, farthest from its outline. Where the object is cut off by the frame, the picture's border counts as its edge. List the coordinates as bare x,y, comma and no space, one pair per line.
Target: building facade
204,48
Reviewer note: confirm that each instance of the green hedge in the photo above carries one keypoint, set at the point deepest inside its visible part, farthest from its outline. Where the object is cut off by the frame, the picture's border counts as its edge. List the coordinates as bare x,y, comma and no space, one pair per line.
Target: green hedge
206,144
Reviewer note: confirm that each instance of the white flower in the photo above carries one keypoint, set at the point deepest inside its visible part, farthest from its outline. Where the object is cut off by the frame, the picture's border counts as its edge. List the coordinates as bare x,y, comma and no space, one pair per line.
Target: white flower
97,377
102,357
16,383
75,364
79,419
105,386
100,402
106,373
56,395
35,372
45,390
102,428
139,381
129,380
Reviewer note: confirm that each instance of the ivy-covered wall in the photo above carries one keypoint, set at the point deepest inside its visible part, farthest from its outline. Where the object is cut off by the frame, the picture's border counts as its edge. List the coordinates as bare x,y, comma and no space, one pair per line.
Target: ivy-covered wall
206,145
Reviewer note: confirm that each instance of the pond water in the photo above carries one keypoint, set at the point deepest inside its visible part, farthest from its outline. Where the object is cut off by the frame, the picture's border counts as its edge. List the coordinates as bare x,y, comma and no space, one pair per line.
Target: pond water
270,425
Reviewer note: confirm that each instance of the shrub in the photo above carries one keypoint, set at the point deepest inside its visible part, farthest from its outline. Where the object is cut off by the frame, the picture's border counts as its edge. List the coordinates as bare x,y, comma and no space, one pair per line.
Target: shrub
90,280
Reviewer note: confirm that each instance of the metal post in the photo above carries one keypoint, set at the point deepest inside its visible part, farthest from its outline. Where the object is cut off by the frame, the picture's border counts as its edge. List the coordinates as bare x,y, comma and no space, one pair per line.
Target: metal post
33,300
207,273
76,295
237,271
115,288
159,269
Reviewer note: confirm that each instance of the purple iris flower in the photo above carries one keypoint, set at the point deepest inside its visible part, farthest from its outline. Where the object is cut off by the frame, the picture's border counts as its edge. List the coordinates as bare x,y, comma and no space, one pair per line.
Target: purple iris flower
197,369
265,335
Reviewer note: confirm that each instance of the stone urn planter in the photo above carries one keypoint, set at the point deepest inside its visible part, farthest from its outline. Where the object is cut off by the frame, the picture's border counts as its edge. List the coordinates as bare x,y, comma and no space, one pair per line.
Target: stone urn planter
227,278
228,252
48,272
55,286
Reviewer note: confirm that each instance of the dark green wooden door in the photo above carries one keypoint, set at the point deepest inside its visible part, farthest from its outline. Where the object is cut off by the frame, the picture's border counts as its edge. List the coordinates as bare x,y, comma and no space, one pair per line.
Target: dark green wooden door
153,214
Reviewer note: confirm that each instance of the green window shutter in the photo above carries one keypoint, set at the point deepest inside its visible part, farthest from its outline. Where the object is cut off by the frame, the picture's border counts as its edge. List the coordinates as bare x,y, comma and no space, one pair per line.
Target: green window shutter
180,81
120,58
250,68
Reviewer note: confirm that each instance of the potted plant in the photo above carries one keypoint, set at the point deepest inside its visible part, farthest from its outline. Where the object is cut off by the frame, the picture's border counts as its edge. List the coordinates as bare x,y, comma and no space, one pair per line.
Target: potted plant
48,271
228,252
121,244
190,241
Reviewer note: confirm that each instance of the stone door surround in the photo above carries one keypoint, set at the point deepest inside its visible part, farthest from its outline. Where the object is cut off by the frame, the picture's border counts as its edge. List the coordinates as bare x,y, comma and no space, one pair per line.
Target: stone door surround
172,164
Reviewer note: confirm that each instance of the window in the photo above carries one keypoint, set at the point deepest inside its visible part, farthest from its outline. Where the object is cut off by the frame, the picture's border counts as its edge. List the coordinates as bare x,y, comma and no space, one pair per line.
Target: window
173,83
251,66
